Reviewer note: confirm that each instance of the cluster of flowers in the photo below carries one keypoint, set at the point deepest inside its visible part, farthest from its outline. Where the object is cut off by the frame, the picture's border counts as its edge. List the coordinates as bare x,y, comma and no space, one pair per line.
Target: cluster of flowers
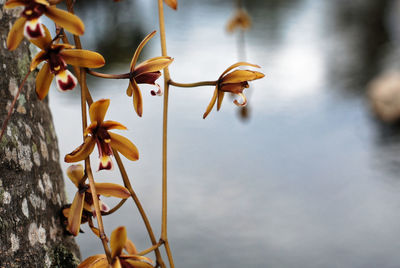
56,57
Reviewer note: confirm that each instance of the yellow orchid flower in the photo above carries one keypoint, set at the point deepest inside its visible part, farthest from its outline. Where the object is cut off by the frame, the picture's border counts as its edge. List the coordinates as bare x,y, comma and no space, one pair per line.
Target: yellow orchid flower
234,82
146,72
239,20
29,25
118,243
57,56
83,198
98,133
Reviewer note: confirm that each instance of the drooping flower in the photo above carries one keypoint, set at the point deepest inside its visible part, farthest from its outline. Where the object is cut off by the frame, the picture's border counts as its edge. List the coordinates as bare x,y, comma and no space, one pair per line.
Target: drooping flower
57,56
146,72
29,25
172,3
118,243
239,20
234,82
83,198
98,133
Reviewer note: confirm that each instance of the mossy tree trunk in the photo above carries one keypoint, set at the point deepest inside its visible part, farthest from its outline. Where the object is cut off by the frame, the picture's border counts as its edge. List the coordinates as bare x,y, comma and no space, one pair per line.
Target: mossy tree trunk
31,181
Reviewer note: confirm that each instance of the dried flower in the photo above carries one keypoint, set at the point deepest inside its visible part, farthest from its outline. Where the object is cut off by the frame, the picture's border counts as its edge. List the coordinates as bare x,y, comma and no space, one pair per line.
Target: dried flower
29,25
146,72
83,197
118,243
234,82
57,56
172,3
239,20
98,133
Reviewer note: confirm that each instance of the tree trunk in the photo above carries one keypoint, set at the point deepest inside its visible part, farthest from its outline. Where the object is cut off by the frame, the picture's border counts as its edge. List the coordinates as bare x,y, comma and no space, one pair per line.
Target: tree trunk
31,182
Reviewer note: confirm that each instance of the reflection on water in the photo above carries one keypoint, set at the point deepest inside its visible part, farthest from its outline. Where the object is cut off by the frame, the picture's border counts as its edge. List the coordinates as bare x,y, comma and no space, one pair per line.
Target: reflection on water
307,182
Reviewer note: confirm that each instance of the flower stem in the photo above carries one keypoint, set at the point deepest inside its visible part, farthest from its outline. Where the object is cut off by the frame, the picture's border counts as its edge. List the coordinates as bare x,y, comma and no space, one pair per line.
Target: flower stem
197,84
150,249
146,221
164,236
5,123
108,76
111,211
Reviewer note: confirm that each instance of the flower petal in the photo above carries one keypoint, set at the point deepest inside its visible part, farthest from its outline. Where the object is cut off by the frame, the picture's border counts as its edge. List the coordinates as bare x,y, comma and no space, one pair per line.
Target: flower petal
220,97
116,263
75,173
124,146
34,29
172,3
130,247
139,49
68,21
152,65
137,264
233,66
113,125
105,163
137,98
117,241
238,76
98,110
14,3
212,102
75,214
244,100
37,60
65,80
82,152
44,41
16,34
82,58
111,189
129,90
43,81
96,261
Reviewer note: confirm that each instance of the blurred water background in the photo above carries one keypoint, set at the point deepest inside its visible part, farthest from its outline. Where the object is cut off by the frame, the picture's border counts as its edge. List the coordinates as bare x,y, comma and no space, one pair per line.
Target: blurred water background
308,179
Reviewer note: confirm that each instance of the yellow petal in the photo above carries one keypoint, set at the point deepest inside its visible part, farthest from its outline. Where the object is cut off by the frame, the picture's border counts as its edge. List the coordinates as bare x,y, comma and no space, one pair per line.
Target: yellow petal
139,49
98,110
43,81
37,60
130,247
111,189
113,125
117,242
82,152
172,3
65,212
220,97
44,41
116,263
43,2
233,66
75,214
75,173
124,146
98,261
137,98
241,76
68,21
152,65
14,3
211,104
136,258
16,34
82,58
138,264
129,90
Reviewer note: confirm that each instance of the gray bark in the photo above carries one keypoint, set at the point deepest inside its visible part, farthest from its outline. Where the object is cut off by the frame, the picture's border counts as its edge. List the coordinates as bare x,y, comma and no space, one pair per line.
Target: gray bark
31,182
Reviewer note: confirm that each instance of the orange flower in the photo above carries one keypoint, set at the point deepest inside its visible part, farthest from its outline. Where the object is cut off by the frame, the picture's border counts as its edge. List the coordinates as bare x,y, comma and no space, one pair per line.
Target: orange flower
30,25
172,3
146,72
118,243
83,197
98,133
234,82
57,56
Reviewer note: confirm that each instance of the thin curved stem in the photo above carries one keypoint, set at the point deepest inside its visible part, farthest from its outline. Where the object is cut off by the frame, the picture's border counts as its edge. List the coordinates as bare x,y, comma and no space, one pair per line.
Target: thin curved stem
164,235
146,221
111,211
108,76
197,84
150,249
5,123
